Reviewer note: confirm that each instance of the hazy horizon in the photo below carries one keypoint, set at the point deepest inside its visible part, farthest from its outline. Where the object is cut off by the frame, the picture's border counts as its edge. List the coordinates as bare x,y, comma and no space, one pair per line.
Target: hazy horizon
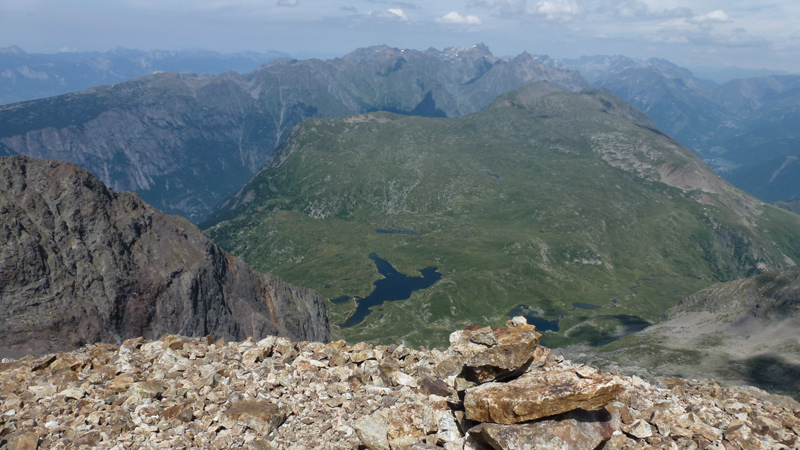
703,34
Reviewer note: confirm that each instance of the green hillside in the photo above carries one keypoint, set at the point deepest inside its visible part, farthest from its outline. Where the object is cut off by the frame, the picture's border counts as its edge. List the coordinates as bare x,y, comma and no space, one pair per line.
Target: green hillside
545,199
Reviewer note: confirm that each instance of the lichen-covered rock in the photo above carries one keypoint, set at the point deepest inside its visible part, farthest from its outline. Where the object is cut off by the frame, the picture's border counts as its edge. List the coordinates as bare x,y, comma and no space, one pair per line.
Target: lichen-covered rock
539,394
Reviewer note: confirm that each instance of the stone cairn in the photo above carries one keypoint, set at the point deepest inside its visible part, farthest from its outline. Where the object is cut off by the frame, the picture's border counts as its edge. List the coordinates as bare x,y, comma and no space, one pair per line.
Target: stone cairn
494,388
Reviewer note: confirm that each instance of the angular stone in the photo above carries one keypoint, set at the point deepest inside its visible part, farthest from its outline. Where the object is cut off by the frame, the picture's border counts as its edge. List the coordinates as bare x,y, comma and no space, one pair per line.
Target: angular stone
706,431
90,439
261,416
403,379
538,394
373,433
73,393
24,441
429,386
640,429
574,430
149,389
398,427
490,354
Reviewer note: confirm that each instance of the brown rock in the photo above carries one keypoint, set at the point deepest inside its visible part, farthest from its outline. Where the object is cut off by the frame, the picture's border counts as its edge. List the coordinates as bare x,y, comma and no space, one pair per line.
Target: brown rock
24,441
261,416
490,354
537,395
706,431
639,429
90,439
574,430
429,386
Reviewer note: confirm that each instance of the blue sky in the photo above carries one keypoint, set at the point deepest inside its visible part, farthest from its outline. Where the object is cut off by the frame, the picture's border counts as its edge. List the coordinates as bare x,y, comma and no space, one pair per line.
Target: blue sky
695,34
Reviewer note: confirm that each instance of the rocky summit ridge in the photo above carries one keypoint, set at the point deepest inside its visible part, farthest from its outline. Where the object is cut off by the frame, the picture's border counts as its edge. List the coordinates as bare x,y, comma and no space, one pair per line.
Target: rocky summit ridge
493,388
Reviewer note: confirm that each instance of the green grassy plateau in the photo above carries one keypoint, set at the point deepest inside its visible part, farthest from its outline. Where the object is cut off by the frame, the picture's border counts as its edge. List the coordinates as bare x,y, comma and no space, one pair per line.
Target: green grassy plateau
545,199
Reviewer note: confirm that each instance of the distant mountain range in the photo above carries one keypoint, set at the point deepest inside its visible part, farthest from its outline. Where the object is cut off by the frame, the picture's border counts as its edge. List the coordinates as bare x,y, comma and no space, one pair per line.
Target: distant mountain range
28,76
571,208
747,130
187,142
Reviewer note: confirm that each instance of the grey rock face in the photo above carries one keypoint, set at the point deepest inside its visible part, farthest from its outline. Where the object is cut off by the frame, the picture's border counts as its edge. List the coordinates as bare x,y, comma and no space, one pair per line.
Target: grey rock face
80,263
185,143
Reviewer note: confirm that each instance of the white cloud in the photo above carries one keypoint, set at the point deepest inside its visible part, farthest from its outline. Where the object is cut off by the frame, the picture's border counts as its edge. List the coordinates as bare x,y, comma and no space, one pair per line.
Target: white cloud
288,2
398,12
718,16
502,7
455,17
390,14
555,9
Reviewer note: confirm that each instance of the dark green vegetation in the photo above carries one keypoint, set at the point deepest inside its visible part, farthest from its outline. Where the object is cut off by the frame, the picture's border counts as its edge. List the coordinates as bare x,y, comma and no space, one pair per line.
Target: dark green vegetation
743,331
185,143
748,130
590,204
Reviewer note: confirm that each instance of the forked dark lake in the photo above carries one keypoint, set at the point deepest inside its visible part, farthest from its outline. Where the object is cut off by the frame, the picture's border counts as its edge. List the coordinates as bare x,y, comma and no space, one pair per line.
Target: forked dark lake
392,287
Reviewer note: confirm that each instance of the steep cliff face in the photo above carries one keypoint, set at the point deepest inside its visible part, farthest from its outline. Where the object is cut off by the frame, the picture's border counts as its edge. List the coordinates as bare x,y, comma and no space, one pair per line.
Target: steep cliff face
80,263
185,143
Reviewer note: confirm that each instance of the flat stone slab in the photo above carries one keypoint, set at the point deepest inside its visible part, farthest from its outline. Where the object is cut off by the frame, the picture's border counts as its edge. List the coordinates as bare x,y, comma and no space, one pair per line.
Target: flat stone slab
539,394
577,429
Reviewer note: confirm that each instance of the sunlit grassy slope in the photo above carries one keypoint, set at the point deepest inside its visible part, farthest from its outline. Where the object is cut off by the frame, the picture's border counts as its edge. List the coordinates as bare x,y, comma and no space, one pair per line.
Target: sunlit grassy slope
545,199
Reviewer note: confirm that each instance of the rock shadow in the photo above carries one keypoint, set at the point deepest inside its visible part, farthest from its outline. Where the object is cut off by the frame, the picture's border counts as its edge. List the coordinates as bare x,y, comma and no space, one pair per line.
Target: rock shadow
771,373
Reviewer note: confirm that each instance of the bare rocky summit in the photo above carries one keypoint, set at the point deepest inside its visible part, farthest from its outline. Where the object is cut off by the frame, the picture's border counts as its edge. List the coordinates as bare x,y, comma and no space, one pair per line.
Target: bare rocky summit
80,263
180,392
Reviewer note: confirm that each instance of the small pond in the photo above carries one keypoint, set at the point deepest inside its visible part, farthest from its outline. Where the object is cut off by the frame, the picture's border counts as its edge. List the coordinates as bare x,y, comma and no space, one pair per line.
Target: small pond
531,315
586,306
392,287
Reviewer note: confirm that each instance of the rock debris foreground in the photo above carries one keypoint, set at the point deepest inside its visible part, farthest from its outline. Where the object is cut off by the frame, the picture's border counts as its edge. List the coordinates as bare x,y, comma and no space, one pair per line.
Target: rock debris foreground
494,388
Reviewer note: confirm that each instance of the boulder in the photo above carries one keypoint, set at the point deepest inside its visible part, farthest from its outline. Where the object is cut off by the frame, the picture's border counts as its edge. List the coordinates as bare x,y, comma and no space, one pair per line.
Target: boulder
539,394
577,429
261,416
494,354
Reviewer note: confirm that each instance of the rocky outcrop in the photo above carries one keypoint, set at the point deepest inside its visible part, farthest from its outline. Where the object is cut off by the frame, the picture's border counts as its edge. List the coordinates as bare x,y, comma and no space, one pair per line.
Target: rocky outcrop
80,263
181,392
